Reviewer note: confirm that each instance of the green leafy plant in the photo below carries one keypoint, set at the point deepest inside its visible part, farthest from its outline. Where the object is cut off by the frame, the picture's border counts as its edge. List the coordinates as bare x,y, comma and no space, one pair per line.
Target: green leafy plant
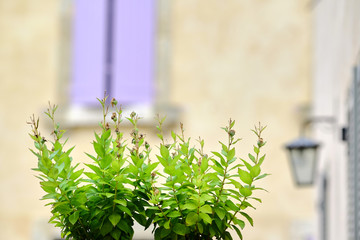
185,194
203,196
100,203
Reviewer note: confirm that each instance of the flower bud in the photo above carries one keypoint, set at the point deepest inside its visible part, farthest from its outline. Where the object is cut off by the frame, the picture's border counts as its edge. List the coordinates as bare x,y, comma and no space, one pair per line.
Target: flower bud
134,133
260,142
107,126
147,145
153,175
133,114
113,117
232,133
156,191
113,102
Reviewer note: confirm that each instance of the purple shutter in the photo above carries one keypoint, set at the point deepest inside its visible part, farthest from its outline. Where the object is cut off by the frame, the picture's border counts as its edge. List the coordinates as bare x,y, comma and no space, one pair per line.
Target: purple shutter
123,41
134,51
88,51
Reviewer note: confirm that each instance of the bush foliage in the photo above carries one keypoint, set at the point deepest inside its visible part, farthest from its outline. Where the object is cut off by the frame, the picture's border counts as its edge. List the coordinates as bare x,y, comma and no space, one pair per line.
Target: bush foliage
185,194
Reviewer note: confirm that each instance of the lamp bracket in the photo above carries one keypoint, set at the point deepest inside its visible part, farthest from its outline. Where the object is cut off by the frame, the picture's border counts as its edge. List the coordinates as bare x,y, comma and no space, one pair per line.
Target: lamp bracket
316,119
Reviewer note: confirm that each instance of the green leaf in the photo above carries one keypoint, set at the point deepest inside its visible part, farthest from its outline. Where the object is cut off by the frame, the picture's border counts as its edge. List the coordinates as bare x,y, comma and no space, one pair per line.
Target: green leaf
248,166
121,202
245,176
76,174
52,155
115,166
164,233
96,169
141,219
256,150
236,183
125,209
173,135
191,219
116,234
106,228
238,232
252,158
224,147
219,156
206,209
232,205
114,219
239,222
190,206
255,171
200,227
124,226
261,176
74,217
63,208
227,236
164,152
204,164
174,214
257,199
205,197
261,160
248,218
167,224
99,149
220,212
106,135
92,176
245,191
206,218
157,234
231,154
180,229
218,169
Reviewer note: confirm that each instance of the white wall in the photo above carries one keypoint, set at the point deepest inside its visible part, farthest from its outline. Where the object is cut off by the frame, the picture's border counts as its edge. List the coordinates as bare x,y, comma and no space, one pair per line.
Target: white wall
336,47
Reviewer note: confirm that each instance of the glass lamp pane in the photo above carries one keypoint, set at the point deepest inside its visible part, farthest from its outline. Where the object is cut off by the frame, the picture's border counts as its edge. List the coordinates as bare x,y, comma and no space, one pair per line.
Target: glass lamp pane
303,163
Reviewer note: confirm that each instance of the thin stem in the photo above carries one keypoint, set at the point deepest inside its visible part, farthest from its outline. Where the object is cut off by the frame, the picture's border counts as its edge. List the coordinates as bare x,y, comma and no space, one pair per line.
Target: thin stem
116,188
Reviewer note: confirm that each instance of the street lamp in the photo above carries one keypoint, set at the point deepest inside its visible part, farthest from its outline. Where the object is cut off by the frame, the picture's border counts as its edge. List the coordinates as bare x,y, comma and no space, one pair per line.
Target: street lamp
303,153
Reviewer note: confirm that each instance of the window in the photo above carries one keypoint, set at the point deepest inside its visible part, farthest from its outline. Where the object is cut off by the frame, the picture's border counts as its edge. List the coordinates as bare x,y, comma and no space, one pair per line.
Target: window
113,49
121,46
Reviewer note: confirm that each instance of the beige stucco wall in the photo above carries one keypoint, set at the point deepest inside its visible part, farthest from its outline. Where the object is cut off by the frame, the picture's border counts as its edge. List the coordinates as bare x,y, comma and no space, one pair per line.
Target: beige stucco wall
248,60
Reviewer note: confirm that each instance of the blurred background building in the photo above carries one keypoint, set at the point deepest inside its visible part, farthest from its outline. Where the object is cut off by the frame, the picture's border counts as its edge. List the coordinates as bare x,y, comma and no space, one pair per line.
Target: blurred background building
199,62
